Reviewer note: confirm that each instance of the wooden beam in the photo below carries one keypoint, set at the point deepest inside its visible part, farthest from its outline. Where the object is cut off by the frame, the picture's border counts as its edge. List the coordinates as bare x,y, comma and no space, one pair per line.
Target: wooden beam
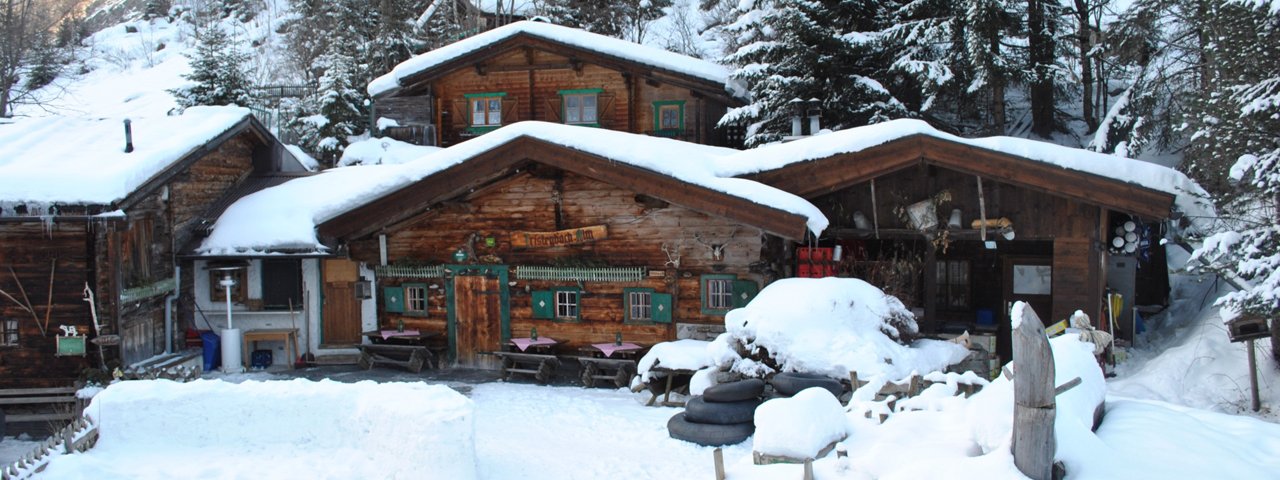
819,177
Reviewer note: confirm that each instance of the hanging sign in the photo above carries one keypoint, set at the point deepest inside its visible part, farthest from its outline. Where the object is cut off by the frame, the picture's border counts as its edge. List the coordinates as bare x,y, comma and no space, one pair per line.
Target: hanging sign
559,238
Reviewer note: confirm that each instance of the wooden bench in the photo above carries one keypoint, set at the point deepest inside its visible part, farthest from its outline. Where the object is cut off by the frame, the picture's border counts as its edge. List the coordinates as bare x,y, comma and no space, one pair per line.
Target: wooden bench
542,367
617,370
674,380
411,357
40,404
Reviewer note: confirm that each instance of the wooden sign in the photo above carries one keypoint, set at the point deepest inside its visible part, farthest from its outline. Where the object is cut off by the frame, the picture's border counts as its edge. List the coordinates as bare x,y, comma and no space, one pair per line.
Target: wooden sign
559,238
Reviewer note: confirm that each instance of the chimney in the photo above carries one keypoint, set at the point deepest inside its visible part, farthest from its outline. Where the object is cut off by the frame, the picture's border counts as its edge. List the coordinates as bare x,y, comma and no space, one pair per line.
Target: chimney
128,136
815,112
797,110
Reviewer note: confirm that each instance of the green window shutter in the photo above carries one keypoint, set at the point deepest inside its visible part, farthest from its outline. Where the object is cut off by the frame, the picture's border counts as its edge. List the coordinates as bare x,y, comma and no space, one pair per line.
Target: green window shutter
393,299
544,304
743,292
662,307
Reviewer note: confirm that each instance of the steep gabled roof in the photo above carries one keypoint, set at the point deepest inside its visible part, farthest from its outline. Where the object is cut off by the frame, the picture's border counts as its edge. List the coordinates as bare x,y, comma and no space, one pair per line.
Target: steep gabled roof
822,164
60,161
591,47
352,202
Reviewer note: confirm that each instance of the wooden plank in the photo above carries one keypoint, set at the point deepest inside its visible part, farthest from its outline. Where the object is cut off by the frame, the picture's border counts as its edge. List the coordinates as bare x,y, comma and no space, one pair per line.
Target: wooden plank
1034,408
9,392
36,400
826,175
38,417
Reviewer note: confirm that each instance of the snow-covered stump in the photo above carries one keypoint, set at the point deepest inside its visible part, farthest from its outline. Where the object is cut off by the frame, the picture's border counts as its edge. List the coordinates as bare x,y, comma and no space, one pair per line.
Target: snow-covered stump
1033,412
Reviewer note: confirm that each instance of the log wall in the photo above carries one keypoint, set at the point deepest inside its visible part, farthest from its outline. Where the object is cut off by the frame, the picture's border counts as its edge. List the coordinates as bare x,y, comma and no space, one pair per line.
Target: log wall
637,230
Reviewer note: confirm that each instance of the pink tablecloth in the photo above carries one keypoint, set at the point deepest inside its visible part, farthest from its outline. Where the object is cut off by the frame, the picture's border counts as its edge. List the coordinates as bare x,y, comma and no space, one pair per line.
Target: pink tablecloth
396,333
609,348
525,343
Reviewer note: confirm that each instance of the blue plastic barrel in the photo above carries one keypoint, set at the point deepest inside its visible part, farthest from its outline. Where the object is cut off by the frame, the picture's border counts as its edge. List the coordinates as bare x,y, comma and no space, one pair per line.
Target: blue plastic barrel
212,350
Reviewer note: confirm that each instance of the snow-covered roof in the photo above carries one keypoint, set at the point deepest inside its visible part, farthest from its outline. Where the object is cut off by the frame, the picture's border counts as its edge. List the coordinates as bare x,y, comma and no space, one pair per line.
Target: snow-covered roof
286,217
585,40
69,160
382,151
1190,197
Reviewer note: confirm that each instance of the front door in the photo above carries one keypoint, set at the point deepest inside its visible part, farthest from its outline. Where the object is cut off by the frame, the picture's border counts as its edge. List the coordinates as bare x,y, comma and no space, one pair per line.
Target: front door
341,309
478,319
1026,279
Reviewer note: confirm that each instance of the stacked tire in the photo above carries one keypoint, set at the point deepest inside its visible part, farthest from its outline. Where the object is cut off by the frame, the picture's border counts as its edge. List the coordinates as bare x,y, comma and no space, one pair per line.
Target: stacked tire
722,415
791,383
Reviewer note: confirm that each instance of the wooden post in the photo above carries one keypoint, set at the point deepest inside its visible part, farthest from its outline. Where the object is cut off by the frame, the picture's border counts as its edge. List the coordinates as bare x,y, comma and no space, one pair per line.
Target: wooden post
1253,376
1033,393
982,210
808,469
719,456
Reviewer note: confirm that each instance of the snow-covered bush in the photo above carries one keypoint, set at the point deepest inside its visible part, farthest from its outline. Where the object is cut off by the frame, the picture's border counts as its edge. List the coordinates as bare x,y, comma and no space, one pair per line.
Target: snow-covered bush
831,326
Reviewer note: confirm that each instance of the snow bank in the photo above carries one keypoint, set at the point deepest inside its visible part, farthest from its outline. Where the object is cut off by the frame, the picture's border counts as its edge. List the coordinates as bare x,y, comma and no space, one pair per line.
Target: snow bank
82,160
573,37
844,325
800,426
681,354
286,215
1191,199
277,429
382,151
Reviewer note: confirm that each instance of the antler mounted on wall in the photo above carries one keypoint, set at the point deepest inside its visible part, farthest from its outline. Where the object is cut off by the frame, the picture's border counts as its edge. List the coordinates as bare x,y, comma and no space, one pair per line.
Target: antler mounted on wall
717,249
673,254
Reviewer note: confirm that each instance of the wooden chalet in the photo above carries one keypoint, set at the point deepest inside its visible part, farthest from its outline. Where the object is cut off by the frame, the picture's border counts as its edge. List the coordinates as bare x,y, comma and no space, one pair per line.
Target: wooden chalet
907,214
83,216
583,243
538,71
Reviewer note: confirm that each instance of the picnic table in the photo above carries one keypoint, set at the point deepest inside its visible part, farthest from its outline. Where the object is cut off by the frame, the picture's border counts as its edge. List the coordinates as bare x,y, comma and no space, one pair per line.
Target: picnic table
541,365
600,363
405,348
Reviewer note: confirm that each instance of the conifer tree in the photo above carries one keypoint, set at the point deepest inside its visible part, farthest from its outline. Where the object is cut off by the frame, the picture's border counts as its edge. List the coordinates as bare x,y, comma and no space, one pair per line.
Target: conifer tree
217,70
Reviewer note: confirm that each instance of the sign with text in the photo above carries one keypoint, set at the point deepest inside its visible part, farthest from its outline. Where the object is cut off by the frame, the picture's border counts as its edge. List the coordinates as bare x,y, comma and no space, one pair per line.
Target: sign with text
559,238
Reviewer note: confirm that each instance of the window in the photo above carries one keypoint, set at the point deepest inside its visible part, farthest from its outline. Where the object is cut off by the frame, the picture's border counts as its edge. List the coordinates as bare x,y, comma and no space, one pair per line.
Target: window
721,293
567,304
415,299
281,284
580,109
8,332
668,116
639,305
217,292
953,284
485,109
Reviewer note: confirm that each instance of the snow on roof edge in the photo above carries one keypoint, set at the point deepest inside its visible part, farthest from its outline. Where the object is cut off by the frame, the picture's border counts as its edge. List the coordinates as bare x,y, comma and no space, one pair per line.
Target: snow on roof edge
635,52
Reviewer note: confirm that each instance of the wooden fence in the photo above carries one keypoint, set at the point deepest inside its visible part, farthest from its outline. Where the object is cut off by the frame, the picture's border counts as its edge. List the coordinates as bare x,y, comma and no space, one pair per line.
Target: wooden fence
77,437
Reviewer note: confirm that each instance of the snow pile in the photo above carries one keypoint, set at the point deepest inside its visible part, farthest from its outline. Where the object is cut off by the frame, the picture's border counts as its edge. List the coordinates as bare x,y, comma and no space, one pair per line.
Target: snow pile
684,354
284,429
800,426
382,151
286,216
844,325
609,46
82,161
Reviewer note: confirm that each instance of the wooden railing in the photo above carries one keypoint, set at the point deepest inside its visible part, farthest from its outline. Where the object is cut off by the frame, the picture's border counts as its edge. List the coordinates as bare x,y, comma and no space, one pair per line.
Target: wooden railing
77,437
606,274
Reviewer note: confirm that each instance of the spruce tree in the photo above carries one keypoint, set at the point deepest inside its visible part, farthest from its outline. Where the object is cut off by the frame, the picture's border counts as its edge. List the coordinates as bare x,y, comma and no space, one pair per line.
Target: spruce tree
218,68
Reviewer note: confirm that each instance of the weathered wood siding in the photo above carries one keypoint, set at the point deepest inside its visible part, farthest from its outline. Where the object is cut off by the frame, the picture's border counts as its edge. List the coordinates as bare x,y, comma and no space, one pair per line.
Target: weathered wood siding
636,235
33,251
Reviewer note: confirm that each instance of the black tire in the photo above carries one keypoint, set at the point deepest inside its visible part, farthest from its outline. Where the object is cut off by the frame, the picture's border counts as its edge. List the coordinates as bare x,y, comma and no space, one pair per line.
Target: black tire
791,383
698,410
706,434
738,391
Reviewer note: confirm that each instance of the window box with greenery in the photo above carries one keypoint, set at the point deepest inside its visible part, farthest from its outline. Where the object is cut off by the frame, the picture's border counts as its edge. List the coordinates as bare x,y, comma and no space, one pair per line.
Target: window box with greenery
559,303
644,305
721,293
580,107
407,298
484,111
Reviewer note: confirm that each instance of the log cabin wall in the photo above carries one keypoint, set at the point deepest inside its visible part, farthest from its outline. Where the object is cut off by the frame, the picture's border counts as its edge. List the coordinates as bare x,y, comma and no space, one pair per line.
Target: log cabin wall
35,252
1038,218
637,227
531,81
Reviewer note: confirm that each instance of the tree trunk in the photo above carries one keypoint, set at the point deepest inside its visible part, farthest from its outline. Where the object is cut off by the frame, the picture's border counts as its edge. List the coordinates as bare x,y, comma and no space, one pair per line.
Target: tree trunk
1084,34
1034,410
1040,43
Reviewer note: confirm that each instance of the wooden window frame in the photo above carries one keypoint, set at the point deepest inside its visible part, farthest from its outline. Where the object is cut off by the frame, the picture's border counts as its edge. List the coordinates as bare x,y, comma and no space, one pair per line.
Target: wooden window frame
239,292
947,291
10,333
582,95
486,124
659,106
576,306
711,300
409,299
629,305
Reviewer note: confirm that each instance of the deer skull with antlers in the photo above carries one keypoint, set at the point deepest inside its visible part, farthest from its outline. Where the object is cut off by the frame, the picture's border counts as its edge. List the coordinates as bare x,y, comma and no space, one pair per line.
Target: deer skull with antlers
717,249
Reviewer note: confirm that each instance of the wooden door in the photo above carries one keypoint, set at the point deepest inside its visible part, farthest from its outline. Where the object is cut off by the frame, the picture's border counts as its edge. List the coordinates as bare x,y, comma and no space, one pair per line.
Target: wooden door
341,309
1026,279
478,317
